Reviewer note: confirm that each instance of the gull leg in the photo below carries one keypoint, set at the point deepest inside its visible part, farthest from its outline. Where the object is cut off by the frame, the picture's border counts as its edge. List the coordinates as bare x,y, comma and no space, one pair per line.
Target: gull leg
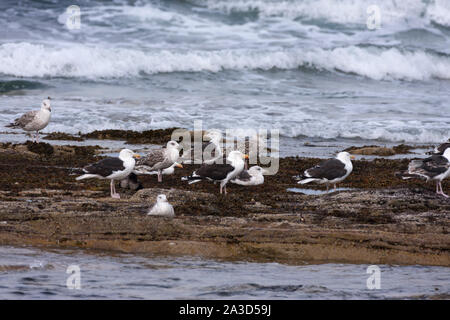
159,176
328,187
113,191
442,191
335,187
37,136
225,189
220,188
437,187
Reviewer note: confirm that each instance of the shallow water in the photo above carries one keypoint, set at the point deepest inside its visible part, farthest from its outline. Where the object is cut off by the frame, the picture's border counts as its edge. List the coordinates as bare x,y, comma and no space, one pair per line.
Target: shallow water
313,192
28,273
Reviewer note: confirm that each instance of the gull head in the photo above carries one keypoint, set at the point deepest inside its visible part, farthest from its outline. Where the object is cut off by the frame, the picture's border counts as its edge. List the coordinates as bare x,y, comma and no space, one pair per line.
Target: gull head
256,170
46,104
161,198
213,135
128,154
345,156
172,145
236,155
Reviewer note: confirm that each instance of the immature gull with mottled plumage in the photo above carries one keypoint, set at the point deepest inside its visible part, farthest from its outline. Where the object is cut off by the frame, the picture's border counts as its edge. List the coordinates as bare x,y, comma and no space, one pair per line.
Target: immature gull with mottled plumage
133,183
34,120
435,168
158,160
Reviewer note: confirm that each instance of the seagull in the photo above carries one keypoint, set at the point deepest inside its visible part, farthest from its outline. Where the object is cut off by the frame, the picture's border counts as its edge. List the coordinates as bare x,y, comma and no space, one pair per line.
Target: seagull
435,168
111,168
222,173
158,160
133,183
330,171
34,120
211,149
439,150
251,177
167,171
162,207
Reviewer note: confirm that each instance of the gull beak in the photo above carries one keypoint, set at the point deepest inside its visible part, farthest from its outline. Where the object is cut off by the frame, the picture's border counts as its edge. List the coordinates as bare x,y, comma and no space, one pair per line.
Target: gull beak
136,156
179,165
352,157
245,156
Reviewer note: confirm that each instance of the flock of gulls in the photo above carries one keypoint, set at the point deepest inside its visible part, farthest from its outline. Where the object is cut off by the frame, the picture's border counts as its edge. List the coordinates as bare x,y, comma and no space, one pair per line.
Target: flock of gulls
128,165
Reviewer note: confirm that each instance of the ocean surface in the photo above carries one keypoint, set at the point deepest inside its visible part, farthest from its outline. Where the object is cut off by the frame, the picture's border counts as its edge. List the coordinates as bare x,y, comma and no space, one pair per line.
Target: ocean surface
27,273
313,69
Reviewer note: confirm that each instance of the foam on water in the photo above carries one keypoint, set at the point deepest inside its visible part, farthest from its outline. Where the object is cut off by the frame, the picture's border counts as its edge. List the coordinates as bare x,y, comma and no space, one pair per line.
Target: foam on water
339,11
37,60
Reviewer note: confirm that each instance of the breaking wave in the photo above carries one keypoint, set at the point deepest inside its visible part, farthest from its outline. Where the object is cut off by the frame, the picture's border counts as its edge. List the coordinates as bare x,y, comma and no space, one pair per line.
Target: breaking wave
339,11
37,60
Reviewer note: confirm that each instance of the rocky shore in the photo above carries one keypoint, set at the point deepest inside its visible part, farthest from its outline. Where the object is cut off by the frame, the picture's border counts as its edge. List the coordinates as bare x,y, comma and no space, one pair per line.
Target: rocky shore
381,219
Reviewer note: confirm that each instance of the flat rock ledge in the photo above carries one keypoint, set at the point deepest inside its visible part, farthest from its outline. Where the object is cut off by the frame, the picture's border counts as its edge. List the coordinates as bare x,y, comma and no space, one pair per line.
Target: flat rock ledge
375,226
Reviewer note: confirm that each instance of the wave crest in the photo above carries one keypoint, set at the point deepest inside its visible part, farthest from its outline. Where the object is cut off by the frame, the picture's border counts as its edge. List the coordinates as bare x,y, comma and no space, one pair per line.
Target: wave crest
31,60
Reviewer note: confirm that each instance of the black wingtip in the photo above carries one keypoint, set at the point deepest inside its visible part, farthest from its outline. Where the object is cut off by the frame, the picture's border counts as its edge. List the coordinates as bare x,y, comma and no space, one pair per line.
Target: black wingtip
76,171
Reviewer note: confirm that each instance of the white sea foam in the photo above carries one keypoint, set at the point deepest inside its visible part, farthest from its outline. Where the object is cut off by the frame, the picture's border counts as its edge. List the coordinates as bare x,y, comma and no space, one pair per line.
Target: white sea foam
32,60
439,12
391,131
338,11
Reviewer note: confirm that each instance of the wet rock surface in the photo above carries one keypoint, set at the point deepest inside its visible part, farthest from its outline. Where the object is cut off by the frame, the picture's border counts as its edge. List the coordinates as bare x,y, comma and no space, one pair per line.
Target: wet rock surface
382,219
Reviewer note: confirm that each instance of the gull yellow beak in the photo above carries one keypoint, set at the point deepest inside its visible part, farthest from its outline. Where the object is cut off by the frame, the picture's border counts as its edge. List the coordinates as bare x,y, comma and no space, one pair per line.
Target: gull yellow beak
245,156
179,165
352,157
136,156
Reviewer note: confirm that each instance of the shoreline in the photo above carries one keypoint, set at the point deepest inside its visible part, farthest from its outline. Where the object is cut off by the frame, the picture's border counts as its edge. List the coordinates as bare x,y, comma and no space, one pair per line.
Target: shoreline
380,220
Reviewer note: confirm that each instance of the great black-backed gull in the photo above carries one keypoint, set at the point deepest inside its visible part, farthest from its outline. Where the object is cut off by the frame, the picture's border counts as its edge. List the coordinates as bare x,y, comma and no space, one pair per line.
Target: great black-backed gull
251,177
439,150
133,183
330,171
34,120
111,168
158,160
162,207
436,168
222,173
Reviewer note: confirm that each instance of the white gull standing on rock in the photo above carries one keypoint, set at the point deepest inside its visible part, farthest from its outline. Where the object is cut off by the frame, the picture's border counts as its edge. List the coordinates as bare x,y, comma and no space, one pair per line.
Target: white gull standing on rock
251,177
34,120
162,207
